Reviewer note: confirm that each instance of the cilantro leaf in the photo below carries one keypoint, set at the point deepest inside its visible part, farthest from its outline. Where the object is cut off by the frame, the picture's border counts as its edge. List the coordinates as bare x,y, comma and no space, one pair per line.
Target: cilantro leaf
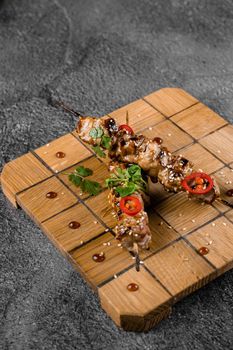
96,133
93,133
99,151
100,132
125,191
106,141
83,171
92,187
76,180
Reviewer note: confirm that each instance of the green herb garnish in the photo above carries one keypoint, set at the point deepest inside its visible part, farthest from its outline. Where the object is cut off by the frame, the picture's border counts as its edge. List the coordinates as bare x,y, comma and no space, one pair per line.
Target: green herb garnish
96,133
78,178
105,141
99,151
127,181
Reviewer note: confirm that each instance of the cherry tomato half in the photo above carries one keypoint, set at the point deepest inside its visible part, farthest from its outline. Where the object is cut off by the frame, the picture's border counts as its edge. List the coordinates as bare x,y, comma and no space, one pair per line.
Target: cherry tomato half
198,184
130,205
127,128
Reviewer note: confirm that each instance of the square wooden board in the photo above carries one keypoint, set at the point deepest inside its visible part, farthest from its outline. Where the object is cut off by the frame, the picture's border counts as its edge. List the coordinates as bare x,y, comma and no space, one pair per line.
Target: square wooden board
173,267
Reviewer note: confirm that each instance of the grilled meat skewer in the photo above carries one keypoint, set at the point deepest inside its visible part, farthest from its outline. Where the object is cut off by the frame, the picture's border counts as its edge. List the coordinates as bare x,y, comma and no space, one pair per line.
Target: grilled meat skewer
155,159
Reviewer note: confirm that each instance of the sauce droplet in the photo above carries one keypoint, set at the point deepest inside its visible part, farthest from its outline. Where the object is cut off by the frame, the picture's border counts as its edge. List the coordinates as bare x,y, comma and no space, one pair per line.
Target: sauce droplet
203,250
60,155
98,257
229,193
158,140
74,225
133,287
51,194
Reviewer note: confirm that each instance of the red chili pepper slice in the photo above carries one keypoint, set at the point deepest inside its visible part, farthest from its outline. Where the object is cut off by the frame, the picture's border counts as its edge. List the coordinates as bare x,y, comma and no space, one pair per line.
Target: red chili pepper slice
126,128
198,182
130,205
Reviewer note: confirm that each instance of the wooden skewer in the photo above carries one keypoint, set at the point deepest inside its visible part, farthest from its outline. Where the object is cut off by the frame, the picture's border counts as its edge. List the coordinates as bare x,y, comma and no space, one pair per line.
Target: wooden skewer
66,108
127,117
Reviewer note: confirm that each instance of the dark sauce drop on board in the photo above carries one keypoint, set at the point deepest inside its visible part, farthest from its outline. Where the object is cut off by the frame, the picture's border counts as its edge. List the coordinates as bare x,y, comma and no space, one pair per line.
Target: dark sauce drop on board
51,195
133,287
74,225
60,155
98,257
158,140
229,193
203,250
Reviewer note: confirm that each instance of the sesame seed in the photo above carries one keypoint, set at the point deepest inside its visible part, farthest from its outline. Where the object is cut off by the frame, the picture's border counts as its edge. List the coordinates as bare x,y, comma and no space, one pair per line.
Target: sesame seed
161,223
210,242
200,170
56,171
115,276
224,224
133,257
81,242
227,182
169,227
106,230
213,224
184,228
95,222
109,243
105,243
180,214
139,115
218,151
221,173
150,128
141,262
193,220
101,253
80,193
45,152
169,134
119,244
185,259
48,144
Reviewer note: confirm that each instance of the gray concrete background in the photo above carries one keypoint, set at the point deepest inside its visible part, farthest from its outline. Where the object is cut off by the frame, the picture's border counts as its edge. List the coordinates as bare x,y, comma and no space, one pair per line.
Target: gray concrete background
97,55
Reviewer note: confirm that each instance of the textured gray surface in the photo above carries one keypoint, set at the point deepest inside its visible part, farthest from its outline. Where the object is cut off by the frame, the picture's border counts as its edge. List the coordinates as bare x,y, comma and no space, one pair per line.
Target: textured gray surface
96,56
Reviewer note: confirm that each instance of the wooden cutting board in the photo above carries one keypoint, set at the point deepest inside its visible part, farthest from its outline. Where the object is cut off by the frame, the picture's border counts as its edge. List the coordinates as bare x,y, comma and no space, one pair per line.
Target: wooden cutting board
173,267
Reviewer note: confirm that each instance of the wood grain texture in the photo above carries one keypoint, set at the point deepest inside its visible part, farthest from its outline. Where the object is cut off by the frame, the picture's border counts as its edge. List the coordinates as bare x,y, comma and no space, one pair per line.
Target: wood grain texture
73,149
220,143
172,136
141,115
198,120
180,269
218,238
179,227
185,215
133,310
59,231
22,173
100,205
170,101
116,259
38,206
